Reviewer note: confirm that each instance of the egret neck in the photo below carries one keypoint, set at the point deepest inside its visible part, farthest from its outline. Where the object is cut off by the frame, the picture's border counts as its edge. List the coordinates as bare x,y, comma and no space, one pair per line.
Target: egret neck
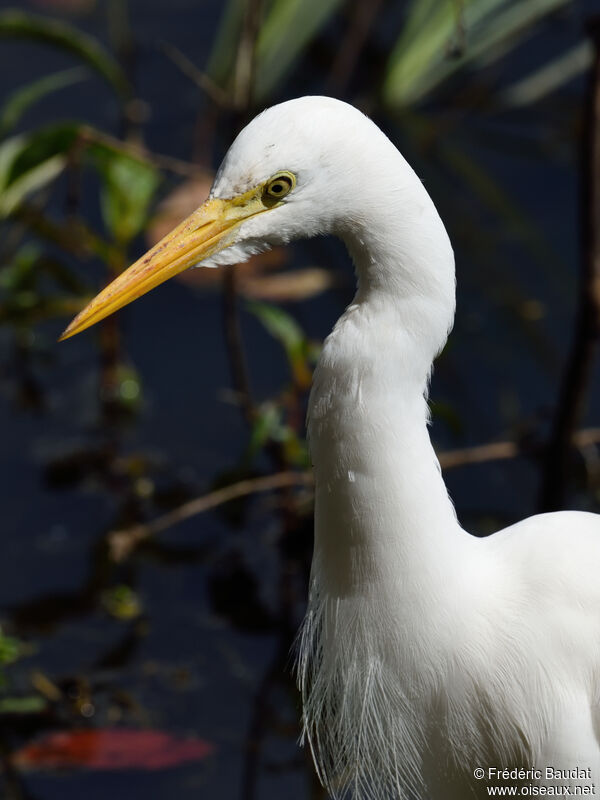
382,508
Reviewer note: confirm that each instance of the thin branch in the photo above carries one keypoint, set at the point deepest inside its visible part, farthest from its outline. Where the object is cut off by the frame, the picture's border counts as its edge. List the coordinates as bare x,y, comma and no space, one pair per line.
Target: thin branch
497,451
257,728
235,345
175,165
13,784
363,17
191,71
122,542
576,378
494,451
245,64
242,98
73,236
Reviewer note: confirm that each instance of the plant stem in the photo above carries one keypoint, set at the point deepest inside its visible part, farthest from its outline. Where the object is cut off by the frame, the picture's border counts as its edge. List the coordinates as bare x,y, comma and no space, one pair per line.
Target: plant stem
122,542
576,378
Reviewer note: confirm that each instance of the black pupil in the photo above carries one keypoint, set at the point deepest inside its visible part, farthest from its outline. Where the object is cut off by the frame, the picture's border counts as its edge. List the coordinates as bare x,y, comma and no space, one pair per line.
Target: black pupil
279,186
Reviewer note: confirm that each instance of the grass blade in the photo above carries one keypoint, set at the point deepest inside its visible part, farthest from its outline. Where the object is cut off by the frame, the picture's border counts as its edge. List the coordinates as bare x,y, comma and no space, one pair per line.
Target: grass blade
548,78
287,29
20,25
422,61
26,96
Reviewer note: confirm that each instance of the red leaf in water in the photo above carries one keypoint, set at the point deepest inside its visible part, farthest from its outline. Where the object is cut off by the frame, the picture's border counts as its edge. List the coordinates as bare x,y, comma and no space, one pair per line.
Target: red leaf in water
110,749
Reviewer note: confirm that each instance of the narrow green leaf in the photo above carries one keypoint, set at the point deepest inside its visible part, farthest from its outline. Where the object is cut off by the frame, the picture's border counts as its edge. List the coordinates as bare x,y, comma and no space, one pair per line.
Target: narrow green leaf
18,272
492,39
30,162
282,326
122,602
548,78
10,649
266,427
9,151
30,182
128,186
26,96
515,220
269,426
423,59
31,704
222,57
21,25
287,29
425,40
286,330
22,153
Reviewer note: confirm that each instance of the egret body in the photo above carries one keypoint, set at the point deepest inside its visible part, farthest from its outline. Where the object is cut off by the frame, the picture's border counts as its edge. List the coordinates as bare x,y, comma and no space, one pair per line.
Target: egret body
426,652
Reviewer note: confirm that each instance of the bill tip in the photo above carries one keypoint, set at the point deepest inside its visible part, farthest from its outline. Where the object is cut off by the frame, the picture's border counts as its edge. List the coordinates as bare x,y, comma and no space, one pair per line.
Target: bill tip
67,333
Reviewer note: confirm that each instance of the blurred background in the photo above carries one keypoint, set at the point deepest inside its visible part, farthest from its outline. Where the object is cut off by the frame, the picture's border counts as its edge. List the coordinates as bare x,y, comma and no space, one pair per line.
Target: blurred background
155,484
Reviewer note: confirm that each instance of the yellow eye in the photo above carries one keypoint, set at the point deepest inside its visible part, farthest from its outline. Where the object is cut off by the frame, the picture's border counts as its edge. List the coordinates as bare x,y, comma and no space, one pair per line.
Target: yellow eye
280,185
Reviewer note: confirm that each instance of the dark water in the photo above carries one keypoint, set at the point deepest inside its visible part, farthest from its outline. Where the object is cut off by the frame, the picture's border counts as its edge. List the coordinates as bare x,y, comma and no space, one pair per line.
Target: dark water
189,669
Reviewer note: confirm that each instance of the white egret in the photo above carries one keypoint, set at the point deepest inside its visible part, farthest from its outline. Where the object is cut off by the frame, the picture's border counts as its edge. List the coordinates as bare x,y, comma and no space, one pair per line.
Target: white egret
426,652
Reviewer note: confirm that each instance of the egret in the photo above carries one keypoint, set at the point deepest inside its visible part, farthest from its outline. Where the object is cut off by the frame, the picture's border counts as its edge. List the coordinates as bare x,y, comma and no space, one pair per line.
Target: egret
429,659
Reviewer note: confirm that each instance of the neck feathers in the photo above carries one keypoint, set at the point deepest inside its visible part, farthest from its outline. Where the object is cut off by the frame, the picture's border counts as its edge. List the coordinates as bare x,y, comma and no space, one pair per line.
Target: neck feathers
385,530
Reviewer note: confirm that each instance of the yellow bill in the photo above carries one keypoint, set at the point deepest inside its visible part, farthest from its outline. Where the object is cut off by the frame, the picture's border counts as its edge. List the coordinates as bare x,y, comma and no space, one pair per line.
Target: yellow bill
205,232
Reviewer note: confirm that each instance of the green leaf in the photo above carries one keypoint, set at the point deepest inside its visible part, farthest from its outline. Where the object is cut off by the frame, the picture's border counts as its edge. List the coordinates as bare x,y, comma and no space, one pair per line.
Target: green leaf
31,704
548,78
32,287
448,414
128,186
10,649
20,154
425,40
427,53
286,31
221,61
26,96
19,272
267,426
13,192
128,387
30,162
21,25
31,182
122,602
282,326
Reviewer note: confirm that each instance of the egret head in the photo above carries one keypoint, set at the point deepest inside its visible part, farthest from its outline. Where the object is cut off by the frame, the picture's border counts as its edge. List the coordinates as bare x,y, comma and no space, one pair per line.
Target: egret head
287,175
306,167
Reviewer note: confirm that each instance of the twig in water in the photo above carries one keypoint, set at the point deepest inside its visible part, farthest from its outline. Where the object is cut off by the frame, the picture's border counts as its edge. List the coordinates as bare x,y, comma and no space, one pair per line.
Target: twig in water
122,542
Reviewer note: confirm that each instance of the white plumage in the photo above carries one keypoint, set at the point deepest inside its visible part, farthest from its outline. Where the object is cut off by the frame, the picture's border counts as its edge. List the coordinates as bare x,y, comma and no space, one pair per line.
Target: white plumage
426,652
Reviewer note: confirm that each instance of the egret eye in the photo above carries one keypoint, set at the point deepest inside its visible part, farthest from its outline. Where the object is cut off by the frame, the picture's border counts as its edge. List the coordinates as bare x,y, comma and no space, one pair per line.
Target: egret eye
280,185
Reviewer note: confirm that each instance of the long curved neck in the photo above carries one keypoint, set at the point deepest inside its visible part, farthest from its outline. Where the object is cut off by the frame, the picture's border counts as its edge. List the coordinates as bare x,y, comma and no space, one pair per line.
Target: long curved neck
382,509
